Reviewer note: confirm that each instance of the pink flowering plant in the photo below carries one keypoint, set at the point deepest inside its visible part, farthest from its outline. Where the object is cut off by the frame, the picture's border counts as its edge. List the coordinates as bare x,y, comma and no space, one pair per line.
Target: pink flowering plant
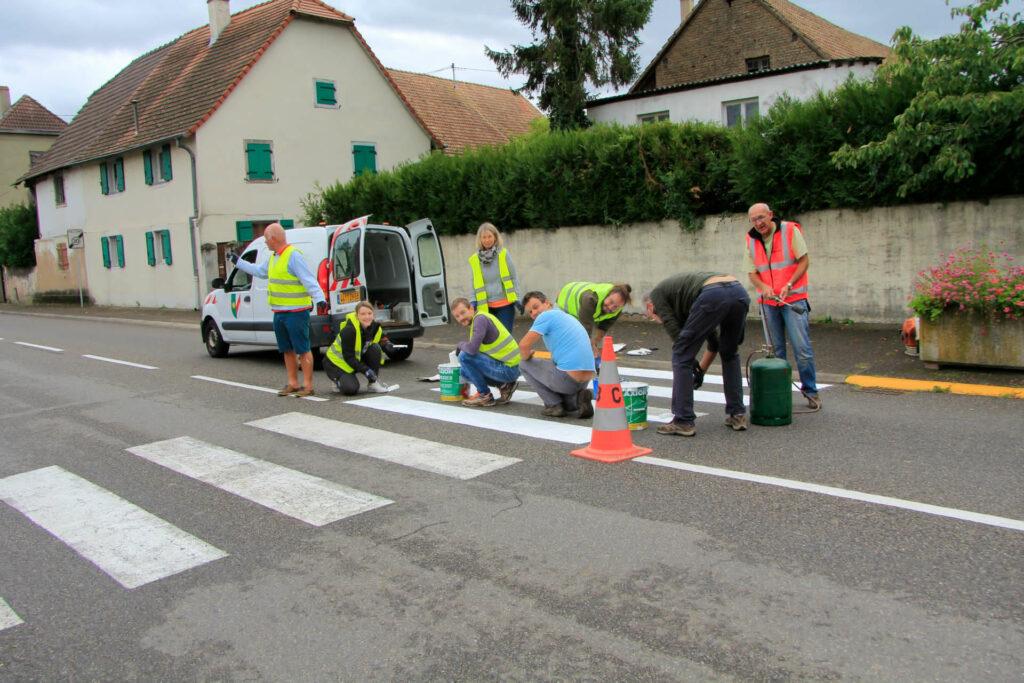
971,280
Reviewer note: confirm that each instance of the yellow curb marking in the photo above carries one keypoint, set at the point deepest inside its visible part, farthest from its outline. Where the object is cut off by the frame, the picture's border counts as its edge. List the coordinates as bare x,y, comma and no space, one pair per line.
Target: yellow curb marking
925,385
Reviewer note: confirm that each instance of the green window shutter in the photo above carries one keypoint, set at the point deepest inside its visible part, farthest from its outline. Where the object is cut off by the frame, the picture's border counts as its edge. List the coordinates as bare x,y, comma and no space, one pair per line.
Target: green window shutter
258,161
150,251
120,251
104,181
165,163
119,173
147,167
287,223
325,93
243,231
364,159
105,247
165,238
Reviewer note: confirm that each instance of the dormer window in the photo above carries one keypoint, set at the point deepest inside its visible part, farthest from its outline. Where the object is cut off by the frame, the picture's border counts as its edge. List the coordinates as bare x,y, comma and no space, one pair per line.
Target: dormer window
756,64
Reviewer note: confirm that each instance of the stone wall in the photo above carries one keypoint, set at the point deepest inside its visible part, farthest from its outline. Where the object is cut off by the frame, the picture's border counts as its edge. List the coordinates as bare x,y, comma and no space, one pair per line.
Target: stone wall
862,262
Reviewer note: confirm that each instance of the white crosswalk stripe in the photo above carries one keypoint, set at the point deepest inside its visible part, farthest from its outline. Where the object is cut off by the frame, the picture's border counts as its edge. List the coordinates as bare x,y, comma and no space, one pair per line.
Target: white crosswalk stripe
132,546
8,617
430,456
302,496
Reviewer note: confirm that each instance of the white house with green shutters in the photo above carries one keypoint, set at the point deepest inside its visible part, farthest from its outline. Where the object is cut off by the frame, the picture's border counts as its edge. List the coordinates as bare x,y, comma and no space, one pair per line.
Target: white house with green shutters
203,142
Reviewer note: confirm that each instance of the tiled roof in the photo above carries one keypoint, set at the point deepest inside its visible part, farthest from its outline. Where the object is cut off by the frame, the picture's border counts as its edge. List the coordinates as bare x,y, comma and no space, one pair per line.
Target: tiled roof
180,85
831,42
28,116
463,115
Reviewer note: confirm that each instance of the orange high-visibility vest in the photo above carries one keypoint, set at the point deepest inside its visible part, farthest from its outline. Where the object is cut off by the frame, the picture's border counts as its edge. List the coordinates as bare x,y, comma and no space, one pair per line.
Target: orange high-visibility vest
777,271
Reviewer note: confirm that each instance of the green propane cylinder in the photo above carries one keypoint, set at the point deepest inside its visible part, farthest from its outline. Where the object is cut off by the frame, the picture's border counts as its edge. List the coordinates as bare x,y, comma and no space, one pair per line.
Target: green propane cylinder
771,399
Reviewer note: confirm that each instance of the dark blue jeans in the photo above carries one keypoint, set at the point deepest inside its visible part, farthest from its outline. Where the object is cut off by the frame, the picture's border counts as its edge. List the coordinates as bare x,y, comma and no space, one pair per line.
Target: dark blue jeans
723,305
506,315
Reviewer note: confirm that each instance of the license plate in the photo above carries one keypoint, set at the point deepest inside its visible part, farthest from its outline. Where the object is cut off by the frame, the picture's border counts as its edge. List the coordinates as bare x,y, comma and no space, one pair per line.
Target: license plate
348,297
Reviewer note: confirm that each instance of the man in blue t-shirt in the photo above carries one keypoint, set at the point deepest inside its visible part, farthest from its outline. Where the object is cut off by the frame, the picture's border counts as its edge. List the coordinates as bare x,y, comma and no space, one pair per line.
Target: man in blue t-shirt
562,382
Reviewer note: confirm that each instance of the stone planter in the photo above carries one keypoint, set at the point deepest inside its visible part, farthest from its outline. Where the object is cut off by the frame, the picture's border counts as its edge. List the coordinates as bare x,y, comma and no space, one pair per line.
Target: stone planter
971,339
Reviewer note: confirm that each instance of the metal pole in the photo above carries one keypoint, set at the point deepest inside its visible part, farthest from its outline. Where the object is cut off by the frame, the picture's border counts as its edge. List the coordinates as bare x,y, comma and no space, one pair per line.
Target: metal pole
81,299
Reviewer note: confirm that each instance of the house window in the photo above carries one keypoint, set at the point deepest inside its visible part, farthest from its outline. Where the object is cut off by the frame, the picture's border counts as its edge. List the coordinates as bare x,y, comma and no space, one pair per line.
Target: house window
62,257
259,161
740,112
158,247
112,176
755,64
156,165
326,93
364,158
653,117
112,247
58,189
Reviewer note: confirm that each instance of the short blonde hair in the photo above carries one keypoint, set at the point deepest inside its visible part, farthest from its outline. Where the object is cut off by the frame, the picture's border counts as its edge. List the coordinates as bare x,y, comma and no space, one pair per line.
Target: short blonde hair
488,227
365,304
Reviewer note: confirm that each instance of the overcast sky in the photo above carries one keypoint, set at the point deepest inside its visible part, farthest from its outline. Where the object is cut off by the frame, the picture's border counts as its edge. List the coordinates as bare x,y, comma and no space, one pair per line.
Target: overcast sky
60,51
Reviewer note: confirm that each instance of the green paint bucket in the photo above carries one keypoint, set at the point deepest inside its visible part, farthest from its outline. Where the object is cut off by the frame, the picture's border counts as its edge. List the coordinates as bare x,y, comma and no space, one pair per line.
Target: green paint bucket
634,395
451,382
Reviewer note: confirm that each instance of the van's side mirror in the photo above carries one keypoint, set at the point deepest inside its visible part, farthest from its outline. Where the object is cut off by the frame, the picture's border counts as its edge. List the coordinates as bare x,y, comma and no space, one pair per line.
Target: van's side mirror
217,283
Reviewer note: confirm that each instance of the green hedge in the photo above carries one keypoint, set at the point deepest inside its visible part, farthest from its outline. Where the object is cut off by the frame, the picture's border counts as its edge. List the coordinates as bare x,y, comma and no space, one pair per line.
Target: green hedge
19,229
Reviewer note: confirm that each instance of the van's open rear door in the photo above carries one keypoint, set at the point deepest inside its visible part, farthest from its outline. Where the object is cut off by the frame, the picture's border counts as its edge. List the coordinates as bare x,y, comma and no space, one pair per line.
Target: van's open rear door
428,263
346,267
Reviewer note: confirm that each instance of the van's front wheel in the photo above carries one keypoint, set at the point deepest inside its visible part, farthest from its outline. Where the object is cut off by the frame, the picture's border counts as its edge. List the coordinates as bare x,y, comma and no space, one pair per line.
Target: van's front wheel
401,354
215,344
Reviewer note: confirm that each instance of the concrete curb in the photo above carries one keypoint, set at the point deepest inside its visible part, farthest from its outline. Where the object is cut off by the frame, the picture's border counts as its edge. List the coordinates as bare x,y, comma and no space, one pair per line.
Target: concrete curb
991,390
106,319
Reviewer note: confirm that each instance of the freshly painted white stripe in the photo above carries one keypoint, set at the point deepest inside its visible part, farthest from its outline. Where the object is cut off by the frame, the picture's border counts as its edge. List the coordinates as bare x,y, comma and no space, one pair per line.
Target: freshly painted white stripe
131,545
266,390
965,515
484,418
667,374
519,397
120,362
40,346
8,617
430,456
307,498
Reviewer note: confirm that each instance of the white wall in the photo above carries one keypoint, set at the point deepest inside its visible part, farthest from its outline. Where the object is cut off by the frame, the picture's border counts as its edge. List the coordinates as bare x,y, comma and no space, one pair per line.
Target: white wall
311,145
705,104
55,221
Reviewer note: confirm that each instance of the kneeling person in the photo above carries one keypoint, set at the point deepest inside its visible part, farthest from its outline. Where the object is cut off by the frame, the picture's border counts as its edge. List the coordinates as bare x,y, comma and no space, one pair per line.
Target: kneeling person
489,358
562,382
358,349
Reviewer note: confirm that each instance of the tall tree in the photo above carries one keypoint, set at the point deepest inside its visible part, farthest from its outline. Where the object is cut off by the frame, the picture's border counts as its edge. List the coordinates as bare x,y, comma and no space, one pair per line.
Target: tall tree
575,42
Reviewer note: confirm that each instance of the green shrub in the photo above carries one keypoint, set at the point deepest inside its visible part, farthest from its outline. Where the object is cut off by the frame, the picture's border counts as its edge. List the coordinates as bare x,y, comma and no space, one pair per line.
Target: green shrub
19,229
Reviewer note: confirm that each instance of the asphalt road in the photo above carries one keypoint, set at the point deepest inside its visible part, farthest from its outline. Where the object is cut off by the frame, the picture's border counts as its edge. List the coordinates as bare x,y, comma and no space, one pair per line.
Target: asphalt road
550,568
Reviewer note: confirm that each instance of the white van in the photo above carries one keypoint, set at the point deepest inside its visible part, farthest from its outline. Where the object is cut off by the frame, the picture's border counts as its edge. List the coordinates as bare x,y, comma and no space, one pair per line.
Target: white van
399,270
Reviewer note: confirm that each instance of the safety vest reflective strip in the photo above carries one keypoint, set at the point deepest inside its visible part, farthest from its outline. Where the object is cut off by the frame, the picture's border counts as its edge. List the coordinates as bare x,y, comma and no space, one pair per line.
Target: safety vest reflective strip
782,265
480,288
284,290
504,349
334,352
569,299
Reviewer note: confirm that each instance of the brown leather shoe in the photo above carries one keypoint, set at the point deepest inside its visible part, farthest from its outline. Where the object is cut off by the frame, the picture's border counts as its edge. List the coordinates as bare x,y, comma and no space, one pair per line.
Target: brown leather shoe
304,392
678,428
288,389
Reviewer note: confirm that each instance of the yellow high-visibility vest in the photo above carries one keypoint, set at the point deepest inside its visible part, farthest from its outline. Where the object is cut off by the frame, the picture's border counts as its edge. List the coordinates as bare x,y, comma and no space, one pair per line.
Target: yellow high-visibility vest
284,290
334,351
480,289
504,349
569,299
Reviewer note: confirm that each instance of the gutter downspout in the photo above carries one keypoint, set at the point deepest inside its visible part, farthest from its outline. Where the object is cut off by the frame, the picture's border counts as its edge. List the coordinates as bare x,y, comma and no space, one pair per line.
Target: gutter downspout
193,222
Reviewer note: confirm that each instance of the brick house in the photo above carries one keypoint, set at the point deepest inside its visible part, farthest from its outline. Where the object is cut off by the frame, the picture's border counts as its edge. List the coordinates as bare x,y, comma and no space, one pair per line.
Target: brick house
729,60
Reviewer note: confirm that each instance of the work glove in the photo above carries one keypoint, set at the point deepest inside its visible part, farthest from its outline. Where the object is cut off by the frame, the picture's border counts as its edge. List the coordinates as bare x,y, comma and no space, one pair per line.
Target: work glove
323,308
698,375
371,375
233,257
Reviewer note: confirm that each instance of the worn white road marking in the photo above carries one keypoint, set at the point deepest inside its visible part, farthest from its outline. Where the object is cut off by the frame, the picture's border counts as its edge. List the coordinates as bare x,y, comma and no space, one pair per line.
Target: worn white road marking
307,498
645,373
131,545
965,515
8,617
430,456
266,390
120,362
486,418
52,349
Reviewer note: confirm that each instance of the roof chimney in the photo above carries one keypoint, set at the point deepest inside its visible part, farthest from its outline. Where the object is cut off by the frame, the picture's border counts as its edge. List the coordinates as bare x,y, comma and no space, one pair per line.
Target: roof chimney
685,9
220,17
5,99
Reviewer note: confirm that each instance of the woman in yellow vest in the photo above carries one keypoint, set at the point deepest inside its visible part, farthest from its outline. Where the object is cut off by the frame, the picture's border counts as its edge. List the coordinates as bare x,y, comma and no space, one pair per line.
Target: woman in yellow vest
596,305
358,350
495,283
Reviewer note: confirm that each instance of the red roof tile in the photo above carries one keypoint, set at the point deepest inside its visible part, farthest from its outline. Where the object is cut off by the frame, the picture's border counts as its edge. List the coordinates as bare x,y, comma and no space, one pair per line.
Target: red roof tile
463,115
28,116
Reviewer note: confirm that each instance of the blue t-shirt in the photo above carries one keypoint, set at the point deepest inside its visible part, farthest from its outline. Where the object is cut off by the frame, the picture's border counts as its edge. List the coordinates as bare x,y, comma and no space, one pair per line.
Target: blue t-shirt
566,338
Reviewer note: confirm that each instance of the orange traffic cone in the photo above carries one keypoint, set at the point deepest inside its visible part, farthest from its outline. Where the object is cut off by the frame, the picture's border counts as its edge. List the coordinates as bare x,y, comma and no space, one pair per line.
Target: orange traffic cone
611,440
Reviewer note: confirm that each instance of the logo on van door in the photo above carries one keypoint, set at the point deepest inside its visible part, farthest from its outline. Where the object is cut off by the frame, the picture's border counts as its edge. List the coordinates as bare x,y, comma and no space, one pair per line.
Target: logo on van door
236,303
